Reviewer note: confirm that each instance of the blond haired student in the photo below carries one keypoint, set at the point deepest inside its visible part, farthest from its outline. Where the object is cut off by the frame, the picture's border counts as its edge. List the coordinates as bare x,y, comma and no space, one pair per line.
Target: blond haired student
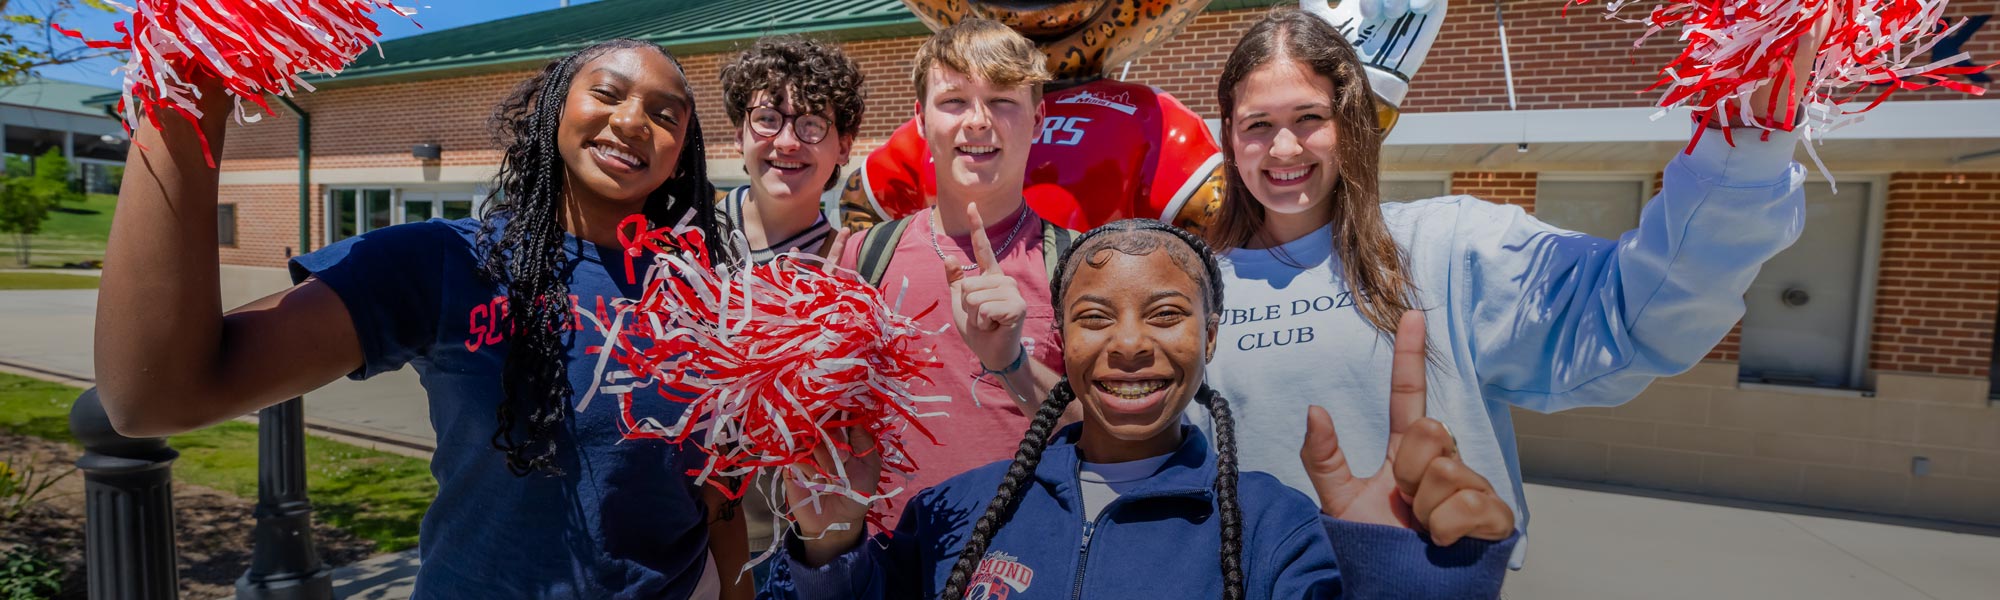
978,104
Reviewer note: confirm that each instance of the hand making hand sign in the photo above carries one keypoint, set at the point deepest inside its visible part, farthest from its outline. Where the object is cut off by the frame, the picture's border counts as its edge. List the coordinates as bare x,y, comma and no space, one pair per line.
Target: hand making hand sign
1422,484
986,304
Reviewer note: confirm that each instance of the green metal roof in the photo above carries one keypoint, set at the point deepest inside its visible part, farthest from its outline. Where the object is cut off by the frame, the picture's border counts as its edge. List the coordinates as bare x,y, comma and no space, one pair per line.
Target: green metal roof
684,26
52,94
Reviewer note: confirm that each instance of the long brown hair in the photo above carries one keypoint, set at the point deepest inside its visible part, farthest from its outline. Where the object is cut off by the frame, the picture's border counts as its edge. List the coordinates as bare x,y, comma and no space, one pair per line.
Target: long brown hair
1374,266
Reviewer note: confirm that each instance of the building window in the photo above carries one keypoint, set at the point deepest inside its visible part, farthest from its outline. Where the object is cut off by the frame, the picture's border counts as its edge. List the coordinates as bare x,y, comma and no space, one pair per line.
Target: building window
1605,208
1398,187
1993,372
98,147
354,211
1804,314
445,204
225,225
101,177
30,142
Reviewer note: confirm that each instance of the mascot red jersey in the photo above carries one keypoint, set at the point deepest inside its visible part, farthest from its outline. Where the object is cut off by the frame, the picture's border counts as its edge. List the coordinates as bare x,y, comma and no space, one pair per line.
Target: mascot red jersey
1112,150
1108,150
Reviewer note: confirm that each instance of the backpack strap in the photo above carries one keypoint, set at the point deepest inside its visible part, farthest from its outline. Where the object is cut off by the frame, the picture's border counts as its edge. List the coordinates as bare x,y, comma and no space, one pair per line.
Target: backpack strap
878,245
1055,241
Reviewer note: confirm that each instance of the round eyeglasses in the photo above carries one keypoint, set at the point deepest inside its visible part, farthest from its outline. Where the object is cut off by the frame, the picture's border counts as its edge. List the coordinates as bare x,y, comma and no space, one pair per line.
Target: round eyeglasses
767,122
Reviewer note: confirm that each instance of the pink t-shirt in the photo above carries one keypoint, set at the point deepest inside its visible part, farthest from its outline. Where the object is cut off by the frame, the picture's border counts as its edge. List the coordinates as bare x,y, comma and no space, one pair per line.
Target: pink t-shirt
971,434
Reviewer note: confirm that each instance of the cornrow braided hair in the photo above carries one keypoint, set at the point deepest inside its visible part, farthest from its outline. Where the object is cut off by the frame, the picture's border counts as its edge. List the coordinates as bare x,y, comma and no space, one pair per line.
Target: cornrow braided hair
1135,237
521,250
1225,490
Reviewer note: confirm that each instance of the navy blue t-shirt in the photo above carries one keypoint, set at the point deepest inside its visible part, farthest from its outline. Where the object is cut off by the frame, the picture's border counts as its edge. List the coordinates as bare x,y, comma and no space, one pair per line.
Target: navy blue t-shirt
624,519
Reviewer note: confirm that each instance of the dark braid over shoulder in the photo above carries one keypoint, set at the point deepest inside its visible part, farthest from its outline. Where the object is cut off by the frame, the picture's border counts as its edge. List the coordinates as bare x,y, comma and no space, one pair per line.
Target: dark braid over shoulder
521,250
1019,476
1225,490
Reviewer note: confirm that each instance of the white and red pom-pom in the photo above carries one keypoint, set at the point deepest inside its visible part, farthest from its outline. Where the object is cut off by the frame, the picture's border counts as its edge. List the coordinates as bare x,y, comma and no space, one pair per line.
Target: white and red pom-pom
780,359
255,47
1736,47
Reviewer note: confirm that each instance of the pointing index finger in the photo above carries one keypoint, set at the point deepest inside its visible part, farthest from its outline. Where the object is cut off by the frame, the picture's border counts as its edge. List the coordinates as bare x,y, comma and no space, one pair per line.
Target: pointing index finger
982,248
1406,373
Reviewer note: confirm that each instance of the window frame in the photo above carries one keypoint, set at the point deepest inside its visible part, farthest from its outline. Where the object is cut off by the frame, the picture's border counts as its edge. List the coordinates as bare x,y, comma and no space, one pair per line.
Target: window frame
232,231
1645,180
479,196
1441,177
1860,374
357,211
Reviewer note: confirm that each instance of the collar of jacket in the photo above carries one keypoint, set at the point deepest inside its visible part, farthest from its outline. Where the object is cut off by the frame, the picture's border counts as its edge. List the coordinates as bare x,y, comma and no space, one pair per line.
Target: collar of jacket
1190,473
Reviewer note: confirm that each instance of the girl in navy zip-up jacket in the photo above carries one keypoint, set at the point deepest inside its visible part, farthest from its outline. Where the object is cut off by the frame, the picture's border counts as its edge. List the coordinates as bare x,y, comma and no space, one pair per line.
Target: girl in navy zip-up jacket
1131,503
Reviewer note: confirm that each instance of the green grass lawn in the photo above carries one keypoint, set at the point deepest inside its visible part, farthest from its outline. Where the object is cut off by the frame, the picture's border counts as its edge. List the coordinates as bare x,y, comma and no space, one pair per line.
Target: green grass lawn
374,495
89,220
74,233
46,281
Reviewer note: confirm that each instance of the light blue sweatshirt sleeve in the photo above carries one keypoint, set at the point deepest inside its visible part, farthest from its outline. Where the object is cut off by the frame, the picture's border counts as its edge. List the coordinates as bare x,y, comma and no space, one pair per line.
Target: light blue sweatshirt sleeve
1559,319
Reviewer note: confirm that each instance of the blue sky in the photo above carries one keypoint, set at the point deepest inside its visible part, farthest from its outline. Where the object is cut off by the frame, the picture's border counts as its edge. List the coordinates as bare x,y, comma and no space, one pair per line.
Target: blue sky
432,14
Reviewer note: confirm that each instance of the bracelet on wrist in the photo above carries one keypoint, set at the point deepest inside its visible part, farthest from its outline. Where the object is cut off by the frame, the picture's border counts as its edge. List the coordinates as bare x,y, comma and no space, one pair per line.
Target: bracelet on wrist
1020,358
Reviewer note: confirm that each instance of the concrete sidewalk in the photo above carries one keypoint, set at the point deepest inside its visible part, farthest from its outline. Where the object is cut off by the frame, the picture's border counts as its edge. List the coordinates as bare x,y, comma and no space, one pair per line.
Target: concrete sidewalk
49,335
1606,543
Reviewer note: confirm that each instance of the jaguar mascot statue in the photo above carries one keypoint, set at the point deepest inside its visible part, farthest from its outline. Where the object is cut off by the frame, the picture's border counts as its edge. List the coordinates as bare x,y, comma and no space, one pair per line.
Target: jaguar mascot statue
1111,149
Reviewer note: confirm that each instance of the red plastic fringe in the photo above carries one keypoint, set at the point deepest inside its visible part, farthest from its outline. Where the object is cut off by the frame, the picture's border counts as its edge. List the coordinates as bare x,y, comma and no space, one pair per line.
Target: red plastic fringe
780,359
1735,47
255,47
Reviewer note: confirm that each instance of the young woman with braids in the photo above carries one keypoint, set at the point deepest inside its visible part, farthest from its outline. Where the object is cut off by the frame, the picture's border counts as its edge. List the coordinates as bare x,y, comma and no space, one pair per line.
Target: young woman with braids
1133,503
534,499
1526,314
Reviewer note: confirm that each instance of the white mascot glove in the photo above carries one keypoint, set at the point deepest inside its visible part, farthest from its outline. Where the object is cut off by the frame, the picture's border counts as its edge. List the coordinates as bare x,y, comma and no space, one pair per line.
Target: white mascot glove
1392,37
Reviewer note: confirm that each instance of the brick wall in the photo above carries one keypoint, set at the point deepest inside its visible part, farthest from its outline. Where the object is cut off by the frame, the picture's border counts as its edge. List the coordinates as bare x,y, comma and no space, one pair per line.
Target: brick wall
1505,187
1940,274
1579,61
375,126
266,223
1188,64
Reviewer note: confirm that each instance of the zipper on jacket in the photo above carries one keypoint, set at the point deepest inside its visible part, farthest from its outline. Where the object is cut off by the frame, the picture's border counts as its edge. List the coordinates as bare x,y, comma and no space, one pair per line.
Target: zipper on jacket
1083,552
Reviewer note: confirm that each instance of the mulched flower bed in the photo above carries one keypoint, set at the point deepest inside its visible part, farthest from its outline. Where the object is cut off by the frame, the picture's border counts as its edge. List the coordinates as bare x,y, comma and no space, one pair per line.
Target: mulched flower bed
212,528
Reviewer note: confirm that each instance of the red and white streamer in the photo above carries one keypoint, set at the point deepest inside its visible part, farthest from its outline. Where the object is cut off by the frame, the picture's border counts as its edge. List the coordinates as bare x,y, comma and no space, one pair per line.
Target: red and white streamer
1736,47
255,47
782,360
